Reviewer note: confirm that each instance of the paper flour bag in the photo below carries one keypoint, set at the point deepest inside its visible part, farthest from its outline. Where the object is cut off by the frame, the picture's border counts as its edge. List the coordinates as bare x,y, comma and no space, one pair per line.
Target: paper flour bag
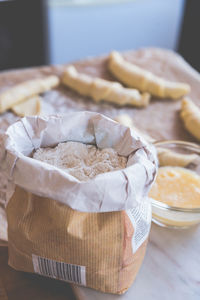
92,232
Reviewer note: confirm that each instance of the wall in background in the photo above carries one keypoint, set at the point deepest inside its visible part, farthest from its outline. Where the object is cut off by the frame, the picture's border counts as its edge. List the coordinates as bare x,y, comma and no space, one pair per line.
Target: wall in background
78,31
22,34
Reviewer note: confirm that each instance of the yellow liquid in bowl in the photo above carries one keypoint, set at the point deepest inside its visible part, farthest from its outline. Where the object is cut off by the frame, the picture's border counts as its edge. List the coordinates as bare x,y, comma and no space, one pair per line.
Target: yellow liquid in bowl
176,186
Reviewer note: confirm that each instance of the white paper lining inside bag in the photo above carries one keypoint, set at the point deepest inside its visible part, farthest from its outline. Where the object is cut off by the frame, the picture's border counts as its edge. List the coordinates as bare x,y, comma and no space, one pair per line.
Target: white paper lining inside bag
112,191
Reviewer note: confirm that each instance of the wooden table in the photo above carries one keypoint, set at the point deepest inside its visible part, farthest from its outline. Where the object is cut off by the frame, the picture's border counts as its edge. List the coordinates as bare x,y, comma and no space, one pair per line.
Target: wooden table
16,285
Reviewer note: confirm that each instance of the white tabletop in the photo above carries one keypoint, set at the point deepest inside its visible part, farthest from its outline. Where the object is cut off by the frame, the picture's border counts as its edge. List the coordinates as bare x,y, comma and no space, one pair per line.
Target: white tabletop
170,271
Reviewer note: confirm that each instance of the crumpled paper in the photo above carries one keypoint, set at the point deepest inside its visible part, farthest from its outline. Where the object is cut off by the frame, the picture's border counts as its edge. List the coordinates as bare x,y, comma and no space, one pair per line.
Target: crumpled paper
112,191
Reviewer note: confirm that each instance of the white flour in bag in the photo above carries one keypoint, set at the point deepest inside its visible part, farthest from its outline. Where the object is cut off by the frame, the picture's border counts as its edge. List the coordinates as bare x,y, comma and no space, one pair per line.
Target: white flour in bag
81,161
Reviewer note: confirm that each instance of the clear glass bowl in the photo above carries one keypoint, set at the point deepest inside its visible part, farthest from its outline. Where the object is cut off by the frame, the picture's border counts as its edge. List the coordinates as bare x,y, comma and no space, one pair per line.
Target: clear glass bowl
171,216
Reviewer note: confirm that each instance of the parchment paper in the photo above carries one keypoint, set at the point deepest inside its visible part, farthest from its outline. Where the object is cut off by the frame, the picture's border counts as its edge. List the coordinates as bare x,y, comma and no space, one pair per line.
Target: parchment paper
160,119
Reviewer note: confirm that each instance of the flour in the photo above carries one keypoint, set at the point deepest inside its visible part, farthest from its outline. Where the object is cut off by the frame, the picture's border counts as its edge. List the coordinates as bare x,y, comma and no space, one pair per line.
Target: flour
81,161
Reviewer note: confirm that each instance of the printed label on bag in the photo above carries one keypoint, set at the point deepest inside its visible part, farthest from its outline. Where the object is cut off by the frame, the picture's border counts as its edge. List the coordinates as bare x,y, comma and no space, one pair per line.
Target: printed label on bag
141,219
59,270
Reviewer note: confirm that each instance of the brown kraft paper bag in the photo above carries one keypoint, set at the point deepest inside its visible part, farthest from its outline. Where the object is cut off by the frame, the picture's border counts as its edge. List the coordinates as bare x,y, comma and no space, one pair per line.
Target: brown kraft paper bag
91,233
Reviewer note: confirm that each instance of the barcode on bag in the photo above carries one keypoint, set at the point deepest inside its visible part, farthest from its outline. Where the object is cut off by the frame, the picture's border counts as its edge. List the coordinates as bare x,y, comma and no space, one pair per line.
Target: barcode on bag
59,270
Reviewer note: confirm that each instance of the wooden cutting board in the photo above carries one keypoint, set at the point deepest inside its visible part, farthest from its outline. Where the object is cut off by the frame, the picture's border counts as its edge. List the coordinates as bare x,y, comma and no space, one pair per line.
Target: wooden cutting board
160,119
16,285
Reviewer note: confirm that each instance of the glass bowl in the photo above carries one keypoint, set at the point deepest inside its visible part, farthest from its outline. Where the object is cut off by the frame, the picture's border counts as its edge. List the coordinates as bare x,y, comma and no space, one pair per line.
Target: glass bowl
172,216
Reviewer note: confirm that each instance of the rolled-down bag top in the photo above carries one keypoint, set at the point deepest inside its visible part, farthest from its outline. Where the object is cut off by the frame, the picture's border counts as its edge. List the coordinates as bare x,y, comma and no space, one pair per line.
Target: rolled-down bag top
112,191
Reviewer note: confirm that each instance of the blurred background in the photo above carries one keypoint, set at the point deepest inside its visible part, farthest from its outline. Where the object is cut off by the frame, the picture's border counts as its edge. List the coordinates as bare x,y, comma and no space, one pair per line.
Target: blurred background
38,32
